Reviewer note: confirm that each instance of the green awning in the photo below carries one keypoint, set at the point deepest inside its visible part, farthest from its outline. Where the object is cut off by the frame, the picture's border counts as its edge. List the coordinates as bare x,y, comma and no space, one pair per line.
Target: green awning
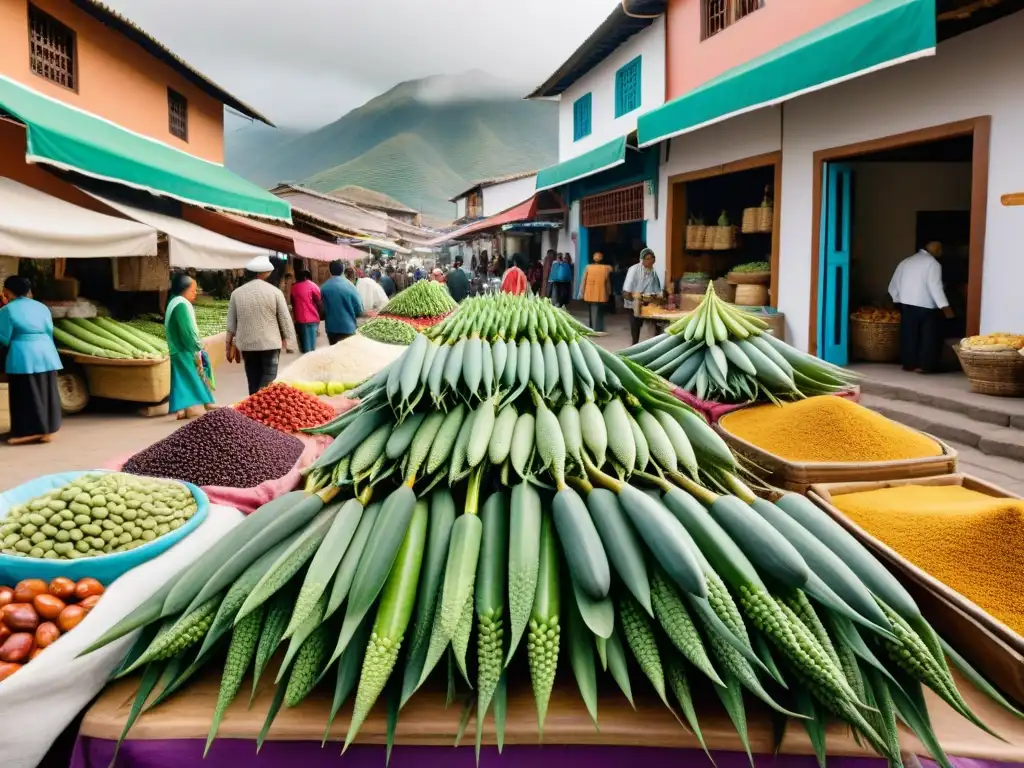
68,138
596,160
879,34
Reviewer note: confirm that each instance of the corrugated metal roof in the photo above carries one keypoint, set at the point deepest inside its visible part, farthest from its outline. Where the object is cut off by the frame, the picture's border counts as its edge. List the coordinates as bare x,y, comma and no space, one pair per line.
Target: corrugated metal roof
492,182
111,18
331,210
613,32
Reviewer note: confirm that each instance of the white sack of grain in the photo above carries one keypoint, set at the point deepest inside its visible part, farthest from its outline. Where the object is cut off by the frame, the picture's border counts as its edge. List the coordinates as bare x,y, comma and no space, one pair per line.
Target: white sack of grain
349,361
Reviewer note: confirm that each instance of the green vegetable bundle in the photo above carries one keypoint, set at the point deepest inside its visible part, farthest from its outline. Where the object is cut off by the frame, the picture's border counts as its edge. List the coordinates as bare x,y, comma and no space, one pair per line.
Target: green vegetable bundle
424,298
752,267
723,354
388,331
547,504
103,337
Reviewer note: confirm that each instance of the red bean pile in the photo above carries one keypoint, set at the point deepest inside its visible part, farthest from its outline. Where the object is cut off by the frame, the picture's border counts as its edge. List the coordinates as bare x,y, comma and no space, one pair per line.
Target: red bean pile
285,408
222,447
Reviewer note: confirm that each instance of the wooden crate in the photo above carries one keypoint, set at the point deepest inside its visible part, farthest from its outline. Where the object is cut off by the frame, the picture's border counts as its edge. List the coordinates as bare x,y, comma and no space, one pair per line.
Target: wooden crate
990,646
799,476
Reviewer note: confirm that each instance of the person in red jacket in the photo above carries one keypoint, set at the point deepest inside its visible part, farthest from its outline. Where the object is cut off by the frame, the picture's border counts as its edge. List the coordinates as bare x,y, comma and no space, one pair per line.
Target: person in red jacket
515,281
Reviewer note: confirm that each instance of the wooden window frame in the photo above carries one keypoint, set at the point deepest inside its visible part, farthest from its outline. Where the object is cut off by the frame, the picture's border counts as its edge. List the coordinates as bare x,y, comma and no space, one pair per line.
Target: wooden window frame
629,74
583,117
980,130
622,205
173,98
727,13
35,11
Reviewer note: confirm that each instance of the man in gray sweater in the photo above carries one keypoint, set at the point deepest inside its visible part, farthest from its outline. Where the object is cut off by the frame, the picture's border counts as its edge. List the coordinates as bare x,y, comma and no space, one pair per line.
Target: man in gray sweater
259,325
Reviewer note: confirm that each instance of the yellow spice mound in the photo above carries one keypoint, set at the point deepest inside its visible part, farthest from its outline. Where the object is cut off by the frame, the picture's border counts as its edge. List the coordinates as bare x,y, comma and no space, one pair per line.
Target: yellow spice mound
967,540
828,428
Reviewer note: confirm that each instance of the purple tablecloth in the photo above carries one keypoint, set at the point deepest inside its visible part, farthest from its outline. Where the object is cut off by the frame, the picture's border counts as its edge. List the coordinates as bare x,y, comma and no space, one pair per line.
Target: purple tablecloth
227,753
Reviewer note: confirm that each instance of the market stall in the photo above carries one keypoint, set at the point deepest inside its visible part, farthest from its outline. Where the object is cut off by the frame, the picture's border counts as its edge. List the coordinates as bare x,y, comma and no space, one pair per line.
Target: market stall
542,523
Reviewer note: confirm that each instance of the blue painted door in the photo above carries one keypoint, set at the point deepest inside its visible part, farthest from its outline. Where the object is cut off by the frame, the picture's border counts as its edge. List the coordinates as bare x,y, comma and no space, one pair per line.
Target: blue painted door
834,269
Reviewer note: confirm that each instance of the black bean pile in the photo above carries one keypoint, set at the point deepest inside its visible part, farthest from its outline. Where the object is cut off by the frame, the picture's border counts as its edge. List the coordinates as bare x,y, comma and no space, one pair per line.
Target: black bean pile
222,447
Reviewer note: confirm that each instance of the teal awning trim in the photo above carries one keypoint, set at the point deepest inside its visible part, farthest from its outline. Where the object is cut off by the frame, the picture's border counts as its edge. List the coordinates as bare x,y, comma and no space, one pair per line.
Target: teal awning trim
66,137
596,160
879,34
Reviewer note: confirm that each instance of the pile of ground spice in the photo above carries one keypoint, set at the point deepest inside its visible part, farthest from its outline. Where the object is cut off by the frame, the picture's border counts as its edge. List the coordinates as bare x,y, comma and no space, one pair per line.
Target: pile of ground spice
827,429
969,541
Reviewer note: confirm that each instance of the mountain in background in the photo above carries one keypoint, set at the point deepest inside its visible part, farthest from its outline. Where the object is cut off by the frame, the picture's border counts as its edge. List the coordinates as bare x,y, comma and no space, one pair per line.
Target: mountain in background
420,142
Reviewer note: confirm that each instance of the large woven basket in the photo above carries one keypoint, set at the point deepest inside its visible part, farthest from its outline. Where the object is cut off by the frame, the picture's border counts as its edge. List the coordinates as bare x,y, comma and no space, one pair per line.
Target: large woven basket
765,218
993,373
73,392
751,220
749,278
724,238
695,236
874,342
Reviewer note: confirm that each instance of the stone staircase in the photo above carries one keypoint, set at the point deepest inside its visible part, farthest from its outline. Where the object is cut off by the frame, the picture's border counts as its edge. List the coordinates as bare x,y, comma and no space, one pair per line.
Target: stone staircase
988,432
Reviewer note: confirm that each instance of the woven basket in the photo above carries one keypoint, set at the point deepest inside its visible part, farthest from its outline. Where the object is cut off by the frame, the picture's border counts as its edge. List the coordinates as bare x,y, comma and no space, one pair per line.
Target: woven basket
874,342
73,392
136,381
709,239
141,273
749,278
695,235
723,238
765,218
751,220
993,373
752,295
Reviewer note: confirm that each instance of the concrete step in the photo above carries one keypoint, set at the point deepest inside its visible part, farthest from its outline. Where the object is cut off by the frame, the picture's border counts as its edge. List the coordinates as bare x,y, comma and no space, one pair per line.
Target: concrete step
959,428
948,392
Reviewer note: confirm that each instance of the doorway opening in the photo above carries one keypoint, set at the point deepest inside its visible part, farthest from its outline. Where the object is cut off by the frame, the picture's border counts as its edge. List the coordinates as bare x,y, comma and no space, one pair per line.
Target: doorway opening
715,198
879,203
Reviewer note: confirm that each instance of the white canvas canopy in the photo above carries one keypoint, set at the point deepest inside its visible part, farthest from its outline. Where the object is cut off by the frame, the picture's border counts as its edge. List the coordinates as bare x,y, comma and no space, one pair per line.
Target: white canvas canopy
35,225
189,245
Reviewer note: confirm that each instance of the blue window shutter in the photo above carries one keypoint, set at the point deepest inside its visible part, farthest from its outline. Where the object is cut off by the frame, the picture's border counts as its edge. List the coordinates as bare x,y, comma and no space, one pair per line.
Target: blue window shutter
627,88
581,108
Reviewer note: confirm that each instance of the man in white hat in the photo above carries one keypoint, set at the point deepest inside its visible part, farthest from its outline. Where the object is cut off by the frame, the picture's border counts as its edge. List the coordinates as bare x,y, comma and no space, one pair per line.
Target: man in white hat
259,325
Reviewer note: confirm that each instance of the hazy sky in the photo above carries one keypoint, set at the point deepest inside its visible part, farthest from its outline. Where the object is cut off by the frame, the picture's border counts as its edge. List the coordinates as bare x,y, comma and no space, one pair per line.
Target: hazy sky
307,62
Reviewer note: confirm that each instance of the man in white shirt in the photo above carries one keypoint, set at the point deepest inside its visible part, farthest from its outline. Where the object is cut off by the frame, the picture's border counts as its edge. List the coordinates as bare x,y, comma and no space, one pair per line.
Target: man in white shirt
641,280
916,288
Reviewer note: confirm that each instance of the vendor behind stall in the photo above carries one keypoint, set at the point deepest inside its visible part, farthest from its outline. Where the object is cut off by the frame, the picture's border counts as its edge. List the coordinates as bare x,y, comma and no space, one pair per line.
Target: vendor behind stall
191,375
916,288
26,329
641,280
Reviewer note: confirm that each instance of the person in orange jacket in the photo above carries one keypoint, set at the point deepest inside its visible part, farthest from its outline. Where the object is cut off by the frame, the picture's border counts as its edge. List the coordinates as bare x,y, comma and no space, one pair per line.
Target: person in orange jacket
596,288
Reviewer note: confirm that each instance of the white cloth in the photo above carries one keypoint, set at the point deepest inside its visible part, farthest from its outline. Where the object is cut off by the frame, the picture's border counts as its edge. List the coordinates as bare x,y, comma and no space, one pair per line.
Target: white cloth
640,280
35,225
371,294
190,246
917,282
39,701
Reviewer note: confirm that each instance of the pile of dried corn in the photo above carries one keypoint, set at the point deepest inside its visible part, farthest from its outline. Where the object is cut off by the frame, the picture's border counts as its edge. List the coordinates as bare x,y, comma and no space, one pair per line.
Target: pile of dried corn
827,429
969,541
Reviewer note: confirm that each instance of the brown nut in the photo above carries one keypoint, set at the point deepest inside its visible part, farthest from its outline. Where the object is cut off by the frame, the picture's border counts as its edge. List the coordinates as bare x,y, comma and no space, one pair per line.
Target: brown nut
47,634
20,617
7,669
87,588
62,587
90,602
6,596
48,607
70,617
17,647
28,589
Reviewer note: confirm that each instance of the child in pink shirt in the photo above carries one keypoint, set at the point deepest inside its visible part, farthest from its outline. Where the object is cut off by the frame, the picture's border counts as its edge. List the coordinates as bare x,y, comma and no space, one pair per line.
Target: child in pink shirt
306,307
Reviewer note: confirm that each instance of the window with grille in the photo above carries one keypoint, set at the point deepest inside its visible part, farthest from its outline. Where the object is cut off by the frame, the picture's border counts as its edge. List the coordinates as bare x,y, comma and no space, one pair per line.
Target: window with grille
581,109
746,7
620,206
51,49
177,113
627,88
715,17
